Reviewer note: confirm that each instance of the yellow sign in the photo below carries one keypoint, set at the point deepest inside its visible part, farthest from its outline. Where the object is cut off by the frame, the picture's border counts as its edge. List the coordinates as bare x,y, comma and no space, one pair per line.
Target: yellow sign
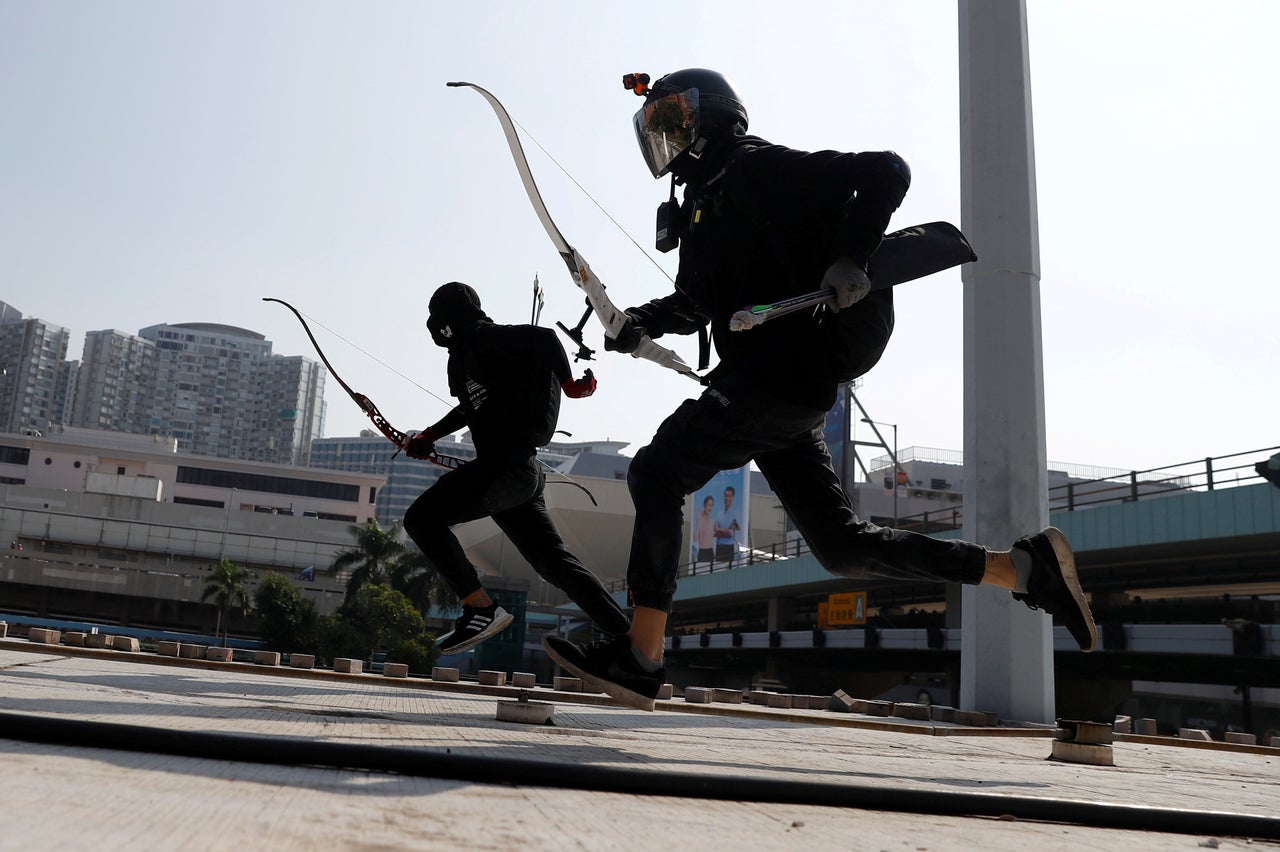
847,609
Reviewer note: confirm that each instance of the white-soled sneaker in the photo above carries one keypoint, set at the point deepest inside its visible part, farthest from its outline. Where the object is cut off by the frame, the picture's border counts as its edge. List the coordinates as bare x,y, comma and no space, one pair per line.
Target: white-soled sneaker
475,625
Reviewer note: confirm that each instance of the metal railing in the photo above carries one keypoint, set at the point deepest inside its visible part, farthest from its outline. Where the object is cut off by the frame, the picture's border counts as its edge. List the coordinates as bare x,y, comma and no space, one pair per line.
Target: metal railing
956,457
1207,474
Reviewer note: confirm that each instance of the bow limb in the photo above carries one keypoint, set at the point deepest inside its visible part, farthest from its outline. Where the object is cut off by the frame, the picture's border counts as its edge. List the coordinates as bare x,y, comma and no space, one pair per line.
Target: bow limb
526,174
610,316
391,433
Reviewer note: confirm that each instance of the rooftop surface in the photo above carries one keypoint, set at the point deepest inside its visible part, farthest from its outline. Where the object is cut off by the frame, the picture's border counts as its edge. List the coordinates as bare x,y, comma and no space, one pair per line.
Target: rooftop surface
133,751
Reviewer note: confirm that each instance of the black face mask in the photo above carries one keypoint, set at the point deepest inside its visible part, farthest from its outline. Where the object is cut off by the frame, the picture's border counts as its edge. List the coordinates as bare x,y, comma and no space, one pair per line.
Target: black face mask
454,309
441,334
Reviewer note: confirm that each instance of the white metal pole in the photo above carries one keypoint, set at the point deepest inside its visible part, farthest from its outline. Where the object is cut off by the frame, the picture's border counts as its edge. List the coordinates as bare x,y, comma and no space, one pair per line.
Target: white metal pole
1006,658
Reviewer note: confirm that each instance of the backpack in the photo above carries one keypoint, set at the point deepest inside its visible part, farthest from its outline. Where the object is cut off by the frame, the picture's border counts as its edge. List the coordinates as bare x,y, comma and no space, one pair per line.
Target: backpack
516,364
853,339
860,337
856,337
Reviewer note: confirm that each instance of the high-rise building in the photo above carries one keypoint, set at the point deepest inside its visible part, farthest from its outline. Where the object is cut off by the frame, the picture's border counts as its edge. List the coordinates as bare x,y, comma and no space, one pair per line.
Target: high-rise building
217,389
33,372
114,382
221,392
64,392
291,410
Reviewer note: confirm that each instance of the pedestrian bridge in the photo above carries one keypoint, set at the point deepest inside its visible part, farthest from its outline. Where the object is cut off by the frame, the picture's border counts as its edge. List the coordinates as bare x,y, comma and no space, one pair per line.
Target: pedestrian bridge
1219,545
1224,536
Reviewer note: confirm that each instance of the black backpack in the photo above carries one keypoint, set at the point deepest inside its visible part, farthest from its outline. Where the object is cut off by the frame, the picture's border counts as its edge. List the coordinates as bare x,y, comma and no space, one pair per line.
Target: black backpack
856,338
519,371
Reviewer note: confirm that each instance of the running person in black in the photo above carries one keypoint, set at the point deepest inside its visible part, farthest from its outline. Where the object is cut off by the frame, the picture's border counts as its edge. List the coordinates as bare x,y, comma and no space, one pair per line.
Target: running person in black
508,380
757,223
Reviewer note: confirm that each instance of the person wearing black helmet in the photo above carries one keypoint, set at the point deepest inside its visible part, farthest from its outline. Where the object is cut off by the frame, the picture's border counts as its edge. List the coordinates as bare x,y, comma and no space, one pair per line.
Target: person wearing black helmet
757,223
508,380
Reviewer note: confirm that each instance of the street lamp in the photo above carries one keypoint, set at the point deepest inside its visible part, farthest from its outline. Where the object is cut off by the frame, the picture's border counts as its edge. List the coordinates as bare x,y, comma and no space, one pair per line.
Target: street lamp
893,457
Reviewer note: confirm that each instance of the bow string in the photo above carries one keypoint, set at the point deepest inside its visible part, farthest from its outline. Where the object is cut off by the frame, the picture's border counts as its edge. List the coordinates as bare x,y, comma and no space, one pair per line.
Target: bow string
610,316
392,434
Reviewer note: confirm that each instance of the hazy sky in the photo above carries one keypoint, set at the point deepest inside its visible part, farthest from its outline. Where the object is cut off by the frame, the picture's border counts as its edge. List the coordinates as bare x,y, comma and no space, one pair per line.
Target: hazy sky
177,161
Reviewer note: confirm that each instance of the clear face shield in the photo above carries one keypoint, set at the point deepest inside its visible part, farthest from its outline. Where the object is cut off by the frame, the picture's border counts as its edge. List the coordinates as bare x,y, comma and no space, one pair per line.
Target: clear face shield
666,128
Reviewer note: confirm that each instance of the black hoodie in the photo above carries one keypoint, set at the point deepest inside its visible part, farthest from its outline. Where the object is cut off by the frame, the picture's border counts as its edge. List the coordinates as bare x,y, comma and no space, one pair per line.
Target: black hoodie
765,228
506,377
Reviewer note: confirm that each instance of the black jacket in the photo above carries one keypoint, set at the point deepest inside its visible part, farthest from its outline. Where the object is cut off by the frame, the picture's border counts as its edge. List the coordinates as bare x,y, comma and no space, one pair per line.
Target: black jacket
766,227
507,381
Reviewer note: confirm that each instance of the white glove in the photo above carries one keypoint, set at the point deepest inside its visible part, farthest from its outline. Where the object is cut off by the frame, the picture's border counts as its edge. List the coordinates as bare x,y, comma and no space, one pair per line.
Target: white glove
744,320
848,280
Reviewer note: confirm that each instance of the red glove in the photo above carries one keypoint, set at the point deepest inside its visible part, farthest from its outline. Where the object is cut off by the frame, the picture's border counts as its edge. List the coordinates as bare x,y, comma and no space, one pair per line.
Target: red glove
577,389
421,445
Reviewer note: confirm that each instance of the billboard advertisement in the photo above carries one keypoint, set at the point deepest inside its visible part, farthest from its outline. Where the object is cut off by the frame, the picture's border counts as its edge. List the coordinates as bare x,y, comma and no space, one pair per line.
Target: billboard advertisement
719,519
833,433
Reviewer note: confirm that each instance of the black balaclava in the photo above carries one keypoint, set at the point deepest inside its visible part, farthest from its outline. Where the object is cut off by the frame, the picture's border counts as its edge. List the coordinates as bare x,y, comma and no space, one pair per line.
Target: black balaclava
454,310
713,159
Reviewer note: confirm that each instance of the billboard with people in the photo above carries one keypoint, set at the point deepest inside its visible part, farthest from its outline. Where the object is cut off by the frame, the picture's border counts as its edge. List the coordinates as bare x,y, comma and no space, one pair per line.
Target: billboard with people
719,520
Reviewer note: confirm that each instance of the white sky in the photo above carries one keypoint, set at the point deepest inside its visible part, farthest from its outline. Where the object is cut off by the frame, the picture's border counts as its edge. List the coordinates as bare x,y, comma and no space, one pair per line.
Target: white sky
175,162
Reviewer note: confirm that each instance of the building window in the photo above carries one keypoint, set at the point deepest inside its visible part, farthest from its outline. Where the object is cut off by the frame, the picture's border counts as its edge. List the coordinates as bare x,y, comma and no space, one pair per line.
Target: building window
14,455
269,484
193,501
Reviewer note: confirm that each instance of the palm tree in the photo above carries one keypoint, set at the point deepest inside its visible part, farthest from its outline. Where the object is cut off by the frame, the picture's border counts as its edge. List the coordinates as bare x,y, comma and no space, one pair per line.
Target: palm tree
226,587
372,558
416,578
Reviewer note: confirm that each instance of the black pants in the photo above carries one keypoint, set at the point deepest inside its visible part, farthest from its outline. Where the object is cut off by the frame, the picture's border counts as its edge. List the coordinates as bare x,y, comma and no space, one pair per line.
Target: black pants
716,432
510,491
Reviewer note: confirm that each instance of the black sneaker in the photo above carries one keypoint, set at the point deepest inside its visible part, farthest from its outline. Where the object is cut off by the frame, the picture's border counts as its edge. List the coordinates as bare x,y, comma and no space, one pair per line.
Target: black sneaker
608,666
473,627
1054,586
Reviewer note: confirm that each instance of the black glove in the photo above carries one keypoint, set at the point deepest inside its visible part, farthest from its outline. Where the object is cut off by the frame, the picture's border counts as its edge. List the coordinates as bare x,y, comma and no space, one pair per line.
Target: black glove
421,445
628,336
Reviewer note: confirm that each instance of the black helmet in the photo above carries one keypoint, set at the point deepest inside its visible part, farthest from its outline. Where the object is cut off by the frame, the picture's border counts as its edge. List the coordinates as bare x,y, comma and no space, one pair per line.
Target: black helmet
454,309
683,112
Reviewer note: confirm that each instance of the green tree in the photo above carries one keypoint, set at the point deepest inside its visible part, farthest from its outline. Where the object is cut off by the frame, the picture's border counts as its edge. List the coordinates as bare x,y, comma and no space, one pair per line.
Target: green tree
379,558
287,621
372,558
337,637
381,615
377,617
226,587
389,595
420,654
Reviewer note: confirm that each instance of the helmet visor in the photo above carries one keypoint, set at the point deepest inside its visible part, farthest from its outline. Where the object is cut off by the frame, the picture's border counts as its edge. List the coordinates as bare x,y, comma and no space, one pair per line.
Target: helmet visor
666,127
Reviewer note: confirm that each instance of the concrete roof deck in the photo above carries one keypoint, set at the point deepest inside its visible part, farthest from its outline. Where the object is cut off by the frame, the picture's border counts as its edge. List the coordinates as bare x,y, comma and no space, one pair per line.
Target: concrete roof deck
67,793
